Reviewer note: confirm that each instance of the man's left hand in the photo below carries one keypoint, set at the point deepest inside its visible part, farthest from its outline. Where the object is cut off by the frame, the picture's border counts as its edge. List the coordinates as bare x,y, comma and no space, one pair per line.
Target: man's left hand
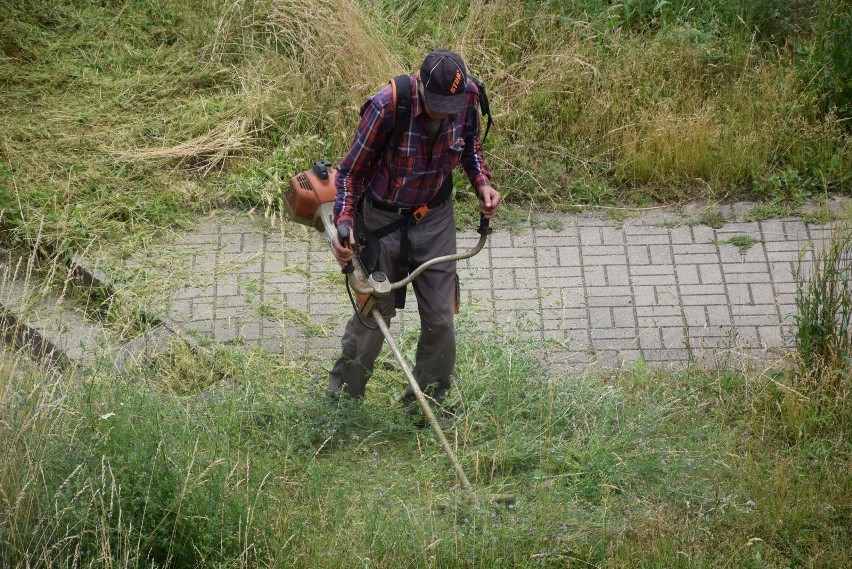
489,199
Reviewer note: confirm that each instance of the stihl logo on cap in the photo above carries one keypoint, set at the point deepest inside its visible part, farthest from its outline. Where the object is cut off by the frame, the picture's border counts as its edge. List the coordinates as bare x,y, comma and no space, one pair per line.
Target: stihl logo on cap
456,82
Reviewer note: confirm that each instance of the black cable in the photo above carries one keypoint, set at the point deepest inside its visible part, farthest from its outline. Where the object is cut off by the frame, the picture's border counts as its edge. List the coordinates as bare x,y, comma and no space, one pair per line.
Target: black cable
355,306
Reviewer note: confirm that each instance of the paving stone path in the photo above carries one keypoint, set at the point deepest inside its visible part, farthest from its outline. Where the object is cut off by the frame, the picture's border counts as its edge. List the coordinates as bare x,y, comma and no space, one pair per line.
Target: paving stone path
589,289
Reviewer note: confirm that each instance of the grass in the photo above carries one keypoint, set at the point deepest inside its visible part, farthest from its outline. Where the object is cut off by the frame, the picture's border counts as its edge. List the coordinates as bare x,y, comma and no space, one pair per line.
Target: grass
146,112
824,318
126,119
165,467
742,242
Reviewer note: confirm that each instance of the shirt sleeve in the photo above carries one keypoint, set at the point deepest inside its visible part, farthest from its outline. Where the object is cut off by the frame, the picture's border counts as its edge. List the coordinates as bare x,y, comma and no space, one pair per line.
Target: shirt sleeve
472,160
356,168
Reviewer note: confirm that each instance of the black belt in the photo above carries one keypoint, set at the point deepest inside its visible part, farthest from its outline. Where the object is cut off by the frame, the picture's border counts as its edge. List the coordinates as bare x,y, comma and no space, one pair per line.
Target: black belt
410,216
391,208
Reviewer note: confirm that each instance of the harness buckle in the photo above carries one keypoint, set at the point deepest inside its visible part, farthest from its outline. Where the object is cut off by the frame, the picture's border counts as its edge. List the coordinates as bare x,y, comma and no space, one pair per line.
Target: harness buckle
420,212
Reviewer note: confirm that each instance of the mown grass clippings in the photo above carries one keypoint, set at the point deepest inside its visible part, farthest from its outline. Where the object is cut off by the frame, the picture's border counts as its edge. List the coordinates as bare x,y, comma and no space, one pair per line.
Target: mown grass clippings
146,112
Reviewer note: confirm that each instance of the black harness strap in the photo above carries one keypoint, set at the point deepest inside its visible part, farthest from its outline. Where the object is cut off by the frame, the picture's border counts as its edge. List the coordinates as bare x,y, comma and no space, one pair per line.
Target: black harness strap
404,268
483,105
401,86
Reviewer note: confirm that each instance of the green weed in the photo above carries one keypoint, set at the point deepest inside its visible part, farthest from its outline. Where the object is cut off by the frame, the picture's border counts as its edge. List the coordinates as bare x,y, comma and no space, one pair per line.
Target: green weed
821,215
741,242
824,319
764,211
712,217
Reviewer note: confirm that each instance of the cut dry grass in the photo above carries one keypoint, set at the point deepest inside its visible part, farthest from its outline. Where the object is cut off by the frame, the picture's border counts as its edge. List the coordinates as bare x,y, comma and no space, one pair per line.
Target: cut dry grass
123,119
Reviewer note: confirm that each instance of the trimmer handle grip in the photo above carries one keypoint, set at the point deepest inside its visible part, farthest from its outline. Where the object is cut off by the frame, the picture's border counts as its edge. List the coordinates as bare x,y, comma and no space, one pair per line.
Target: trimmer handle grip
484,227
343,237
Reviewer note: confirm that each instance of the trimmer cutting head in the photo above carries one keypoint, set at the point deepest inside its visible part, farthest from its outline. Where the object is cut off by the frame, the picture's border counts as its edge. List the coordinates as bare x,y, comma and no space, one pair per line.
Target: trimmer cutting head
307,192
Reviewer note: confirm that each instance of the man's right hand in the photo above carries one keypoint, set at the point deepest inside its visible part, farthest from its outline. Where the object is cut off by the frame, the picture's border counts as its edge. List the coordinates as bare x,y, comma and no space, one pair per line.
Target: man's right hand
342,253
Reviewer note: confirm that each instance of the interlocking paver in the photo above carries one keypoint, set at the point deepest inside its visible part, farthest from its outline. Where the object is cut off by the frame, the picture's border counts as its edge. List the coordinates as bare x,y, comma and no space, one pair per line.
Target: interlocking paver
660,254
688,274
638,255
594,276
617,275
613,294
681,235
710,274
569,256
644,295
638,279
657,321
652,270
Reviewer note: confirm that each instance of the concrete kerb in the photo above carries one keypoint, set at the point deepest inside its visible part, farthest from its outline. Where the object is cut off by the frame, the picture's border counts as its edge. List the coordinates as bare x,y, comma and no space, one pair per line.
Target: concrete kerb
18,333
94,280
16,330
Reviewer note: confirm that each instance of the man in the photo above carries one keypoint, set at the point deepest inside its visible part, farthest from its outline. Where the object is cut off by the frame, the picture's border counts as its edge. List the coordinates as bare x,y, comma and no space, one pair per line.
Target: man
379,183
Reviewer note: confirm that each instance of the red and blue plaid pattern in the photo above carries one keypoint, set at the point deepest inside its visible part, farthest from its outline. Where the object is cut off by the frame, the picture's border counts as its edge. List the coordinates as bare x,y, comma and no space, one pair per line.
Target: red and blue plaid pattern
412,175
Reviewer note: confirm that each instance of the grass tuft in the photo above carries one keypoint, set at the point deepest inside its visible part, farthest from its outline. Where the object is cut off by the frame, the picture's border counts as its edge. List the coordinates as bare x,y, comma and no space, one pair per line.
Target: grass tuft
824,319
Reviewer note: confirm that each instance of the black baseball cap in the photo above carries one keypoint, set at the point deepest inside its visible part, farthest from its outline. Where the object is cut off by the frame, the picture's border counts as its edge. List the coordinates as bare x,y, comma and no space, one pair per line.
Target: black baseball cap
444,77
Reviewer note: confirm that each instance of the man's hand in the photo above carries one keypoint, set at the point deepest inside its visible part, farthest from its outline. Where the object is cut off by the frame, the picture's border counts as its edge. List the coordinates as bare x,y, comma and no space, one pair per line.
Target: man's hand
341,253
489,199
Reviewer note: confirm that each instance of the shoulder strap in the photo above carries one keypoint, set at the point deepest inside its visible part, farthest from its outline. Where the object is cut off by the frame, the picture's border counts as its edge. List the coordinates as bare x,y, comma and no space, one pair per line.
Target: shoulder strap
483,105
401,88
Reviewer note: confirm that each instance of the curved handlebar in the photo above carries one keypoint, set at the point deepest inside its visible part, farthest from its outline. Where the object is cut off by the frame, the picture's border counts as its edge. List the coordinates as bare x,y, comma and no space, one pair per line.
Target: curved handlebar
484,231
357,276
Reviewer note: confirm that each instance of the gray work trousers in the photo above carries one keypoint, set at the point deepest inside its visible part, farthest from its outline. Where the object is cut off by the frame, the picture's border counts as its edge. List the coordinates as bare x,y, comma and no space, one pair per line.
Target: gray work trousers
433,236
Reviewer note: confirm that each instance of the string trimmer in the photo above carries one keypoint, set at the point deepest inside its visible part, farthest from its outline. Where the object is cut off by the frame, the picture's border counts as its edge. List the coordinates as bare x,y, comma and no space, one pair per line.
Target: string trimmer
310,201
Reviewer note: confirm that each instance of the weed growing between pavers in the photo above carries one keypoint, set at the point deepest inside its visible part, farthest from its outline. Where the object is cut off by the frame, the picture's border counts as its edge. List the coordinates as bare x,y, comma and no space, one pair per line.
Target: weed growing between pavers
824,321
742,242
259,468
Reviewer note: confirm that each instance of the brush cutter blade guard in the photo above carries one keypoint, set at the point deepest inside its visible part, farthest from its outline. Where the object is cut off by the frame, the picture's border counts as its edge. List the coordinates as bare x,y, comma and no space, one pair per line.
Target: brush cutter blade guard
307,192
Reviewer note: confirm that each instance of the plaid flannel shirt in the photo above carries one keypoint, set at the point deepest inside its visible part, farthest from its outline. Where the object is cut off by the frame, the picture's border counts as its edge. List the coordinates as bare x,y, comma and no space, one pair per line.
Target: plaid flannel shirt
413,174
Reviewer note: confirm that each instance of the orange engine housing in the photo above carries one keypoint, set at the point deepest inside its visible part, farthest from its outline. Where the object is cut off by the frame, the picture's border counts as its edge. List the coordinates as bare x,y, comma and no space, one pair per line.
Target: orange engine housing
307,191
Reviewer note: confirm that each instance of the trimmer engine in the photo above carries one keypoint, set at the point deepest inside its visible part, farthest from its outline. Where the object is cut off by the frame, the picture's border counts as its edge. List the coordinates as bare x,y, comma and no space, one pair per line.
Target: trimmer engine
309,191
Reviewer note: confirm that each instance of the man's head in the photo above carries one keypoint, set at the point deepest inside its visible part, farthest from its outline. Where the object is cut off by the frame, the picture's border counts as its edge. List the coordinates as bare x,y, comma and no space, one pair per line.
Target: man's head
443,76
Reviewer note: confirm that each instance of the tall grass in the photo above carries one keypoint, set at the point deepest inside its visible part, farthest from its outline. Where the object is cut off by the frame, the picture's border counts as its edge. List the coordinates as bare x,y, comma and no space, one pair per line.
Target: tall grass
123,118
824,319
258,469
662,116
